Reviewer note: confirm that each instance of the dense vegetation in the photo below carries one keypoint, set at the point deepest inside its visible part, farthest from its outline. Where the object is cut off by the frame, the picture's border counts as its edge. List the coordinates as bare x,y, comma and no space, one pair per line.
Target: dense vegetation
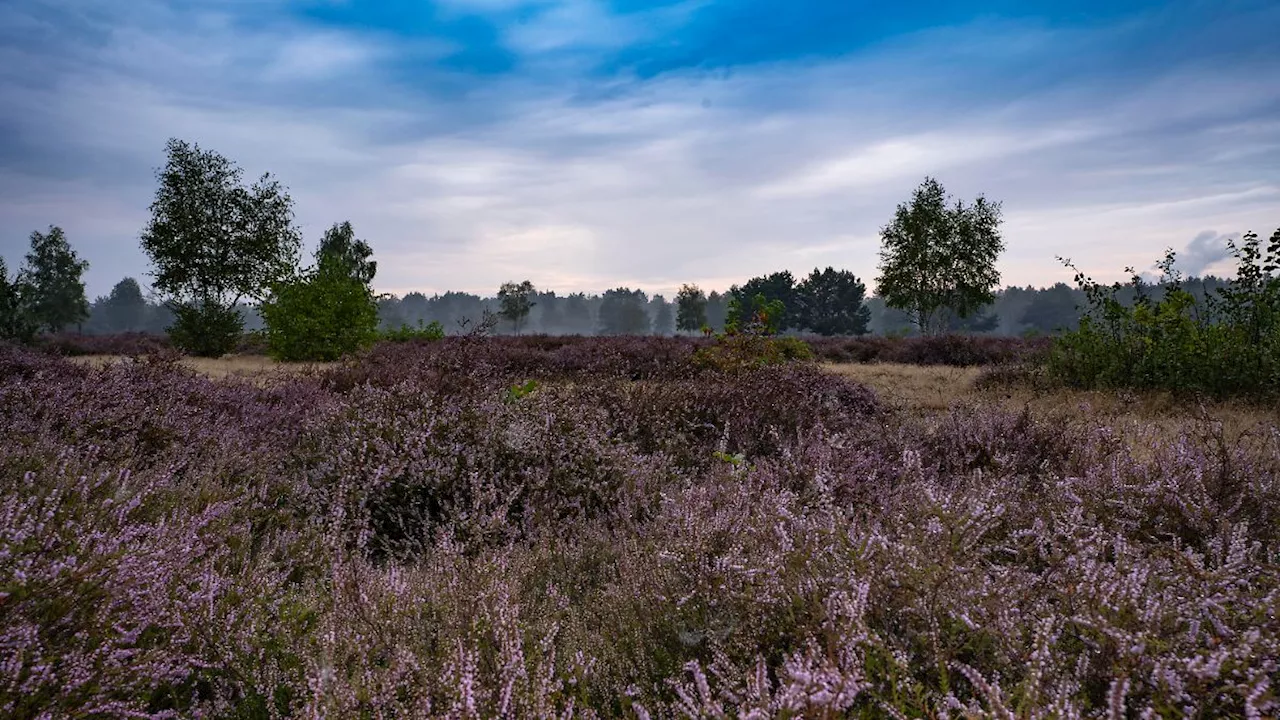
1226,343
954,350
529,527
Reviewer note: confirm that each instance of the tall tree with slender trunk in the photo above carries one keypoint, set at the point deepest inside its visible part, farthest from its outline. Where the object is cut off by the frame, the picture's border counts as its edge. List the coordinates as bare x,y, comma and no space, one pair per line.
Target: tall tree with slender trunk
213,242
940,256
691,309
515,301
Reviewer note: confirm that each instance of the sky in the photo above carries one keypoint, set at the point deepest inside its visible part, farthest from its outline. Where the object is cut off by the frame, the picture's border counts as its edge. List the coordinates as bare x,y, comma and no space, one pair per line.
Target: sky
592,144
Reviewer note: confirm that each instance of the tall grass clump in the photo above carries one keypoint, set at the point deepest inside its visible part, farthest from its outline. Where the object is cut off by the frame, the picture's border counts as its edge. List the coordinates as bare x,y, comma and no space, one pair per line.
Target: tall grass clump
1227,345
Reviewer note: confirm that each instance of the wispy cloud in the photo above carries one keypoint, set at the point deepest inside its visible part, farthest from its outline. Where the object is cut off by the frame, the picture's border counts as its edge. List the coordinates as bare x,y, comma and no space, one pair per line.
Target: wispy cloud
584,165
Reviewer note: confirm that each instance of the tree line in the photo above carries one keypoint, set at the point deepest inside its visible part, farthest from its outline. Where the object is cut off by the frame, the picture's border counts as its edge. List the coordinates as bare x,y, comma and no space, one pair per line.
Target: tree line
225,258
1016,311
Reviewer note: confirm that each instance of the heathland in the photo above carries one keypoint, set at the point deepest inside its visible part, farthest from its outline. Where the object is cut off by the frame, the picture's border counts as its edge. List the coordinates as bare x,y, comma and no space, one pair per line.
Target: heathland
629,527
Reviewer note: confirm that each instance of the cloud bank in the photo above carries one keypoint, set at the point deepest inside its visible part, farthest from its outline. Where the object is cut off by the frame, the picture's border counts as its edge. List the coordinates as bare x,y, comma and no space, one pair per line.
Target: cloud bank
586,144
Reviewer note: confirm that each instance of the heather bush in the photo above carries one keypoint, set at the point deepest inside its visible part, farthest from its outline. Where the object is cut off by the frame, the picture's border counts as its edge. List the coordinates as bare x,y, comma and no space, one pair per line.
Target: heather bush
129,344
543,527
955,350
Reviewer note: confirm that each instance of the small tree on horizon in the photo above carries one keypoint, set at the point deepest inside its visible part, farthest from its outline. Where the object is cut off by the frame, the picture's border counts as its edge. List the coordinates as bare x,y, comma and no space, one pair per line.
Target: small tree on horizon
691,309
757,315
16,322
125,309
53,275
663,319
940,256
717,310
341,245
214,242
778,286
327,312
515,300
831,303
623,312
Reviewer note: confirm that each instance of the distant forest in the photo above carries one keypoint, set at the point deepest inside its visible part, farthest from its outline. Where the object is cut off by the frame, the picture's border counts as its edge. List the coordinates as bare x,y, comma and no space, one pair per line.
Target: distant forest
1017,311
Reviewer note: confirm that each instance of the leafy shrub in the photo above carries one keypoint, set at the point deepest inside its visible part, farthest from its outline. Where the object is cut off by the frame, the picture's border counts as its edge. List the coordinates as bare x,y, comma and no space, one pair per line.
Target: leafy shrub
322,316
407,333
735,352
520,390
1229,346
758,316
205,329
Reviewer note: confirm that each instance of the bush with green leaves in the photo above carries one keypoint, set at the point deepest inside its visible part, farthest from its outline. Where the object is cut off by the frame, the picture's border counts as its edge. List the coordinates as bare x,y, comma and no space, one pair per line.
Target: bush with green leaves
1227,345
17,323
759,316
205,329
323,315
408,333
741,351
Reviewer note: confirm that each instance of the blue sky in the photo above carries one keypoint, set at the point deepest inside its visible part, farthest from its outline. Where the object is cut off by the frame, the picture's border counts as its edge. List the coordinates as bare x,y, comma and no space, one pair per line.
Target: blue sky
587,144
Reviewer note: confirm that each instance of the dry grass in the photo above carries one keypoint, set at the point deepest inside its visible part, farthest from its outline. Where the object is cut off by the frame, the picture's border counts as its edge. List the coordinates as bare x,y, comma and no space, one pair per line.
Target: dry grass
925,388
1140,418
254,367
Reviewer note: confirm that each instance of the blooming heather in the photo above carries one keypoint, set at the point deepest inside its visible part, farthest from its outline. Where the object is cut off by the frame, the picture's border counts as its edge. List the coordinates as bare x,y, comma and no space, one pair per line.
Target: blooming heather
421,532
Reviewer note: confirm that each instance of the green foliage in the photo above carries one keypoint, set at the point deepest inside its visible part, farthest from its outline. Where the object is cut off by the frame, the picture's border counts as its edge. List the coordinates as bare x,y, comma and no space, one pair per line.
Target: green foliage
623,312
520,390
663,319
754,348
717,310
1053,310
321,316
125,309
407,333
691,309
778,287
937,256
206,329
1228,345
735,459
792,348
213,241
759,316
340,245
16,321
52,276
515,300
831,303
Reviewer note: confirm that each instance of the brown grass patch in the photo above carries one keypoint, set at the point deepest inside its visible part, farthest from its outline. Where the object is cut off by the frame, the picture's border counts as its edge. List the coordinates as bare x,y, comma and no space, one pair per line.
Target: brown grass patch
1138,417
929,388
254,367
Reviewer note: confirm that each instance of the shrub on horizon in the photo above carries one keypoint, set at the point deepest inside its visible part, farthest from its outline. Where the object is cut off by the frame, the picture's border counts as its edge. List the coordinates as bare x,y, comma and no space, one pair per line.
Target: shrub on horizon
322,316
408,333
1227,345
